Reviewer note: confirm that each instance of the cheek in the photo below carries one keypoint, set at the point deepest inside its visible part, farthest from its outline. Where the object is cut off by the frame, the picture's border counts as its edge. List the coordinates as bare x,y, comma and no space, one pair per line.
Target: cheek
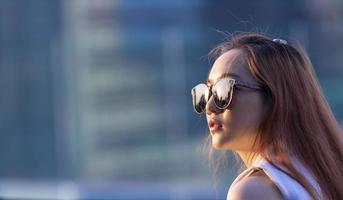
245,113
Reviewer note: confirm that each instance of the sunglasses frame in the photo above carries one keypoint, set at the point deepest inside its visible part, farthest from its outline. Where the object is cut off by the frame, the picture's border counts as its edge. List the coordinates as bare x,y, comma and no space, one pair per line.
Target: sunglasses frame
234,83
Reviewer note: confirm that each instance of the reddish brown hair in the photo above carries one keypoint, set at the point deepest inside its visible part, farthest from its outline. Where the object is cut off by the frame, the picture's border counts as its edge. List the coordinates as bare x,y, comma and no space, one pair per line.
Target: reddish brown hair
299,122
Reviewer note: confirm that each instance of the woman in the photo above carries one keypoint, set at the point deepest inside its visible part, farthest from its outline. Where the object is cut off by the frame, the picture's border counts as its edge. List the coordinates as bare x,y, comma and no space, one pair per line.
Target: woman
262,101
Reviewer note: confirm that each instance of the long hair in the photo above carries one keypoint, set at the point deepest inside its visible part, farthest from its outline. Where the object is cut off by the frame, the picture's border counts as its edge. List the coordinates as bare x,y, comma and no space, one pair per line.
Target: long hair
298,122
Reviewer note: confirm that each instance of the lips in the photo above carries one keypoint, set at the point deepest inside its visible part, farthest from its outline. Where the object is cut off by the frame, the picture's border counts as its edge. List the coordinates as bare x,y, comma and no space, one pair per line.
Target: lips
214,125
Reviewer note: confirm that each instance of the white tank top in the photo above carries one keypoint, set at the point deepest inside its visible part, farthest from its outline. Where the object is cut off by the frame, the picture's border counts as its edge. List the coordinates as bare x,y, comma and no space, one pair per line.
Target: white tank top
289,187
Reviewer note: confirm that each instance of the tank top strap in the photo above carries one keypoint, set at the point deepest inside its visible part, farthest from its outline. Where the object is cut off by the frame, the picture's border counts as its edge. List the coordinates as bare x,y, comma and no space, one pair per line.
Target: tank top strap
289,187
247,172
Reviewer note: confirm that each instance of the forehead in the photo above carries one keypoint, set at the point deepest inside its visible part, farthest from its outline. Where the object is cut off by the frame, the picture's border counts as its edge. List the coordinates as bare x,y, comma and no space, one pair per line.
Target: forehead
229,64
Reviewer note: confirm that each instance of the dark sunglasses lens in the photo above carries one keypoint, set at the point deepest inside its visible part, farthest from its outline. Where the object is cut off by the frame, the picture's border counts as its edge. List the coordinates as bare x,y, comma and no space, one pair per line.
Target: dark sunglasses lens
200,96
221,93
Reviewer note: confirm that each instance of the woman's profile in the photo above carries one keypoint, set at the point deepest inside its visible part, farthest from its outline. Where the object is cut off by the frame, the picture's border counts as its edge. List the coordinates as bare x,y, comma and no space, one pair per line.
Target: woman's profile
263,102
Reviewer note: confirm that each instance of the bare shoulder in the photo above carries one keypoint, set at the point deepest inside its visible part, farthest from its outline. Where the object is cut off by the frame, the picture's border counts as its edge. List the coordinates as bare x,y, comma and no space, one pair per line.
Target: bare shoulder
257,186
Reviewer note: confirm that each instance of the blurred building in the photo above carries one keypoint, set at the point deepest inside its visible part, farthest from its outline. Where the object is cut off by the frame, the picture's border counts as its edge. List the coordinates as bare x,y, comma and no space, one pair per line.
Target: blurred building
127,84
29,32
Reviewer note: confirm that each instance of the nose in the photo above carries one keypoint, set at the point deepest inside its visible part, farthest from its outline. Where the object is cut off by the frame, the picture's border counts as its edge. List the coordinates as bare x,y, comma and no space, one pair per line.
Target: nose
211,107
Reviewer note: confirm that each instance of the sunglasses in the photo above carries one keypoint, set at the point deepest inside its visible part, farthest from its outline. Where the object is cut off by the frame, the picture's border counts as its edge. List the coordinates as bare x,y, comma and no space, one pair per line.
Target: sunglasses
221,91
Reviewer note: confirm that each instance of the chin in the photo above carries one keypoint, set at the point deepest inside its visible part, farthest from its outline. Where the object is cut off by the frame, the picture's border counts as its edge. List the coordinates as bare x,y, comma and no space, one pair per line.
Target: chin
217,143
220,143
217,147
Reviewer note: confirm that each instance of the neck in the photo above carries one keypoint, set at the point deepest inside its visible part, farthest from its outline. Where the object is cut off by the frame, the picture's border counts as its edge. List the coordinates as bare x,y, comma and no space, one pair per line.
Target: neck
247,157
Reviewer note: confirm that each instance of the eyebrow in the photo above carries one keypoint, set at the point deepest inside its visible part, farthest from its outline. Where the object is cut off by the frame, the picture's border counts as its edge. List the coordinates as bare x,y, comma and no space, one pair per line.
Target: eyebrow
227,74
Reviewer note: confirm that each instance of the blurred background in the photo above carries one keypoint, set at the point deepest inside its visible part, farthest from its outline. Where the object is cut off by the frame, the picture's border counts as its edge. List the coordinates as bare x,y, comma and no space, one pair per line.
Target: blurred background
95,94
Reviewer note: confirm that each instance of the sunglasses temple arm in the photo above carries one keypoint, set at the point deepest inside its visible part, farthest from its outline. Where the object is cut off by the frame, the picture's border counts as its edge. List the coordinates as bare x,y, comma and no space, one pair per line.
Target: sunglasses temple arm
249,85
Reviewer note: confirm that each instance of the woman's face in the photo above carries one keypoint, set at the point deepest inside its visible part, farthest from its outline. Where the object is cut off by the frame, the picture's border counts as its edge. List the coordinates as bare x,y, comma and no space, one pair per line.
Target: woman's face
234,128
